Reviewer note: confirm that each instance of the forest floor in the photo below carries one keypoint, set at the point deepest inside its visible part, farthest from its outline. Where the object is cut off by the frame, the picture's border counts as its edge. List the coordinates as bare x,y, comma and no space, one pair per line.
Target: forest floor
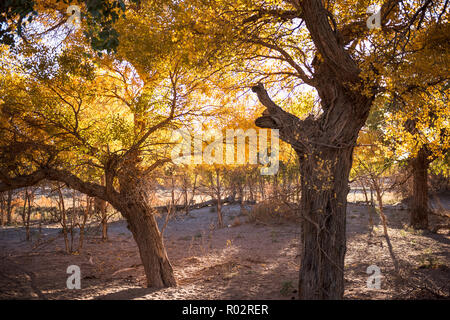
241,261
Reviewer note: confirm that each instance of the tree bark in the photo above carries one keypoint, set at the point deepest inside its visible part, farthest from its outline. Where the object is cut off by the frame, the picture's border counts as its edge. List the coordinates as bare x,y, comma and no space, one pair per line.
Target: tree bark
419,201
324,146
145,231
323,204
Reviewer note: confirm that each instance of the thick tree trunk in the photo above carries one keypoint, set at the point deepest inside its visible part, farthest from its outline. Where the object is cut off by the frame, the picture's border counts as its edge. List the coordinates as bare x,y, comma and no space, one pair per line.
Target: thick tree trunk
419,201
324,145
324,176
153,254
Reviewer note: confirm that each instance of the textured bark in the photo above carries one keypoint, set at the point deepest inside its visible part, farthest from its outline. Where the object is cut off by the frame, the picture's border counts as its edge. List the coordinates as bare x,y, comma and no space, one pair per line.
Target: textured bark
323,208
419,201
144,228
133,204
324,146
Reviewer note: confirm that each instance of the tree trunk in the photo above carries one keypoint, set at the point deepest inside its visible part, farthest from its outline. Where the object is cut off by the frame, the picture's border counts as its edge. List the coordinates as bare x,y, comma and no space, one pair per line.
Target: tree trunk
370,208
219,212
9,208
145,231
186,201
100,208
62,210
323,204
24,213
2,209
275,186
419,201
384,221
104,228
72,220
86,214
27,225
261,188
324,146
219,201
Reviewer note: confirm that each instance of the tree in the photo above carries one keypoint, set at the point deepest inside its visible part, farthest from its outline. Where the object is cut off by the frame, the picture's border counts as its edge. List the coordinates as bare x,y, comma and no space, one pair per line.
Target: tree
84,117
419,202
213,181
417,111
372,167
327,46
419,132
101,209
188,177
287,44
99,17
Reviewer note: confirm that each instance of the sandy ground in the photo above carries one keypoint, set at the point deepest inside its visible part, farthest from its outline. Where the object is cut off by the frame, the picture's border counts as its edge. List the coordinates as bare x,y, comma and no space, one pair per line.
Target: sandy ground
248,261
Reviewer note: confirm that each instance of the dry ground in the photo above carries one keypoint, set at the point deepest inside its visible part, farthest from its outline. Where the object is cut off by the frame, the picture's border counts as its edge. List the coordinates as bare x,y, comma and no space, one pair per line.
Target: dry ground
247,261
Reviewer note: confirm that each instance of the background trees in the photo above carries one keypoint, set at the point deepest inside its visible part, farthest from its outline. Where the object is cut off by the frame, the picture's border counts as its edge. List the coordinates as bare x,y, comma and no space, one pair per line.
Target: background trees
73,118
175,62
328,47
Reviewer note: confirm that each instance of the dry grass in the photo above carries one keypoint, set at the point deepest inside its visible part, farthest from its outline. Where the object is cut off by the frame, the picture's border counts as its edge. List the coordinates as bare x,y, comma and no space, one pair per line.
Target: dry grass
271,211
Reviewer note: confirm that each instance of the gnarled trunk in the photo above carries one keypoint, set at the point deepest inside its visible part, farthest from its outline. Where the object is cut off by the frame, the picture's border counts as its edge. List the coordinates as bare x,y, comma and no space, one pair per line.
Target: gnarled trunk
324,146
324,176
419,201
144,228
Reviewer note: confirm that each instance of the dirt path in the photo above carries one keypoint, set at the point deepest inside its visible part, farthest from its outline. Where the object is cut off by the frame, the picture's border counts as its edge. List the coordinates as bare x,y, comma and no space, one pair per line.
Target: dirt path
248,261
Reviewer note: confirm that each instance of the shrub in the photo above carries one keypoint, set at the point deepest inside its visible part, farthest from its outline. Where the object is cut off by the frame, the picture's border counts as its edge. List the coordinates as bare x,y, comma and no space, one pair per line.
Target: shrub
272,211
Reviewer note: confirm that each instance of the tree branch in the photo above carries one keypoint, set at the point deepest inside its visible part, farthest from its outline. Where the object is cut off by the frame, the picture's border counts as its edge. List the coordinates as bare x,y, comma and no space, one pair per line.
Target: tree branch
326,41
71,180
